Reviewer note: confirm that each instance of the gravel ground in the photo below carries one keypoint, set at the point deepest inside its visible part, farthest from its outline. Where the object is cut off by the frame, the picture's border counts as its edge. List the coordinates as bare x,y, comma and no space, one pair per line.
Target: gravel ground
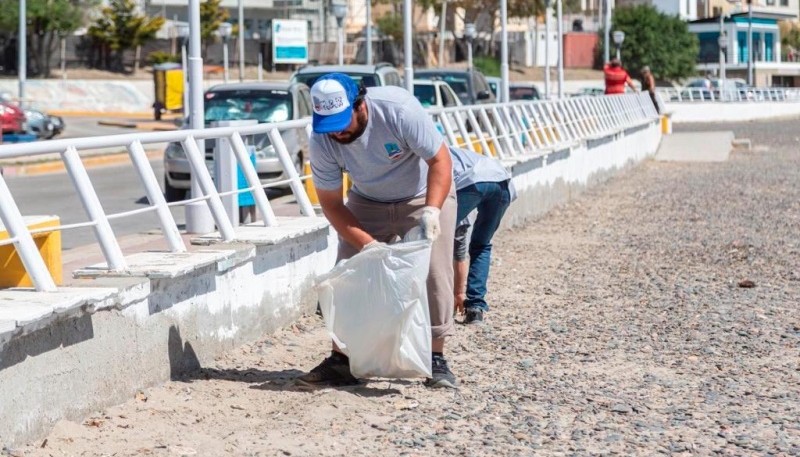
656,314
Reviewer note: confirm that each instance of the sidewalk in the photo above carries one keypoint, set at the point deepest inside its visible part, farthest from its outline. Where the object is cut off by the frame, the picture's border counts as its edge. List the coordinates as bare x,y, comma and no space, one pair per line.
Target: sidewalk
644,318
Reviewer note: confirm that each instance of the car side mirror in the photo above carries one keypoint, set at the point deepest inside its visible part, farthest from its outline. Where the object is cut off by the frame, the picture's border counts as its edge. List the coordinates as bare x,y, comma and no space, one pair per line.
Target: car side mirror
484,95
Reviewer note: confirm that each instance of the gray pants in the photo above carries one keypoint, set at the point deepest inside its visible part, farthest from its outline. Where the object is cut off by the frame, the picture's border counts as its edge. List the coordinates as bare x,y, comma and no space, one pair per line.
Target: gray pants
387,221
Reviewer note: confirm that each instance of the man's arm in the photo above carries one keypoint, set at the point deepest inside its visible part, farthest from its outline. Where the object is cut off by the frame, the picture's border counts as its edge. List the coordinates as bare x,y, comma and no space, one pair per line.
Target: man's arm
440,176
342,219
630,83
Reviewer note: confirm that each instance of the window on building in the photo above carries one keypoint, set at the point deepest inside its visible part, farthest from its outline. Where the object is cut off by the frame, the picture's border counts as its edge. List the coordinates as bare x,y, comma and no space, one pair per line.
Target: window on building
784,2
770,2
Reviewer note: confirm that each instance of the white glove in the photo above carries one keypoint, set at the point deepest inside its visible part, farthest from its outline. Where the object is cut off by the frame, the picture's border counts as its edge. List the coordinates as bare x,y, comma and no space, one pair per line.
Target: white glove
429,223
372,244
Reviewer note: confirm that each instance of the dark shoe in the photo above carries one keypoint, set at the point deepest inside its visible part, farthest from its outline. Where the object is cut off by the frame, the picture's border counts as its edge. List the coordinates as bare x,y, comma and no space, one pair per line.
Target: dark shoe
333,371
441,375
473,316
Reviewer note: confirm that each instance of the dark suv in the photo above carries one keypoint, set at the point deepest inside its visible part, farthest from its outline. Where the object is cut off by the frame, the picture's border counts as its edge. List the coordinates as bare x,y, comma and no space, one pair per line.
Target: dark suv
381,74
471,87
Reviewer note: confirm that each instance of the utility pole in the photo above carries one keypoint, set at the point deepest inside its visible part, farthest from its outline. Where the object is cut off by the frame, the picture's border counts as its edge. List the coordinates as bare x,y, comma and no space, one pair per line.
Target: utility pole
750,78
369,32
22,58
560,15
504,51
607,32
408,50
241,40
442,30
547,14
198,216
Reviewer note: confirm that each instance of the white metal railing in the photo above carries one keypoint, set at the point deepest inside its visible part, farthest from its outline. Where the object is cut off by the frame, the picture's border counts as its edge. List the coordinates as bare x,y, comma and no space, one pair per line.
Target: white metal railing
743,94
506,130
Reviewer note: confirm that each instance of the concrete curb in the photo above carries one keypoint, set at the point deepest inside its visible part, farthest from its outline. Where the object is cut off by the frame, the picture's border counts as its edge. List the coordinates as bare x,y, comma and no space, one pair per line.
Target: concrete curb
150,125
57,166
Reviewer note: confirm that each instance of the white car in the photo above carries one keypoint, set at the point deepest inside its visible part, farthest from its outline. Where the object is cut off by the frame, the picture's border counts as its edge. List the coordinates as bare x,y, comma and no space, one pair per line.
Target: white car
264,102
434,93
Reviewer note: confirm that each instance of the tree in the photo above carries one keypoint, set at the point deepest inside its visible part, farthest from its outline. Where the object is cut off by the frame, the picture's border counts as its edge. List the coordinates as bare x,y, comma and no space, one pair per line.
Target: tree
120,28
657,40
211,17
48,20
790,38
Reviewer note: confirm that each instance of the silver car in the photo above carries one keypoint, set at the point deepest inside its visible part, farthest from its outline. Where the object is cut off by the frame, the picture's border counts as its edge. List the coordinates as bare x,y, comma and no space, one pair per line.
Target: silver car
264,102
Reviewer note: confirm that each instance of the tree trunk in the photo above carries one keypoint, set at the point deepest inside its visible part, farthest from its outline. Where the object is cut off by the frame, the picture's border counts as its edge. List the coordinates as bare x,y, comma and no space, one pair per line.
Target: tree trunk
48,55
136,58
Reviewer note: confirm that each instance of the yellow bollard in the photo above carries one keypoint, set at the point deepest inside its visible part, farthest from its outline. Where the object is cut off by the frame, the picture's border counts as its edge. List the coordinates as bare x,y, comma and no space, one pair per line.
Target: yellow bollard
12,271
666,124
312,192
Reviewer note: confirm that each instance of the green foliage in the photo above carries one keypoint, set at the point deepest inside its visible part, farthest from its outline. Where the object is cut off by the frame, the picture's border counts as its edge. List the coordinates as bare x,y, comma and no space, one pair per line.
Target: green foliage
121,27
489,66
391,25
790,34
157,57
47,20
211,17
657,40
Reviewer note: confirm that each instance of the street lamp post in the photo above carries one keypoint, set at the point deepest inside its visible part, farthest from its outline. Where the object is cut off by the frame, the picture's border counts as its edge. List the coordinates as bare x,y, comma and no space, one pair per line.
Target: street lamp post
22,62
504,96
547,49
368,36
607,32
442,30
469,33
225,30
408,49
560,28
182,32
619,37
339,11
750,78
198,215
723,44
241,40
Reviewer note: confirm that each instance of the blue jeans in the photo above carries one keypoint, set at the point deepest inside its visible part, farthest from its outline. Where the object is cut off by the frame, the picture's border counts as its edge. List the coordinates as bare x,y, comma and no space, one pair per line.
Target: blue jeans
491,199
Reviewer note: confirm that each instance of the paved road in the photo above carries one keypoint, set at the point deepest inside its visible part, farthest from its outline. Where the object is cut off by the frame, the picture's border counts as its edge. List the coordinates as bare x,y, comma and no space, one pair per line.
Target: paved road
119,190
79,127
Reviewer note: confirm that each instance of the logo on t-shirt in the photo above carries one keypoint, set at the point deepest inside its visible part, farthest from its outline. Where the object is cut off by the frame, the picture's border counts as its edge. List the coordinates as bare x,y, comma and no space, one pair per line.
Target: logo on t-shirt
393,150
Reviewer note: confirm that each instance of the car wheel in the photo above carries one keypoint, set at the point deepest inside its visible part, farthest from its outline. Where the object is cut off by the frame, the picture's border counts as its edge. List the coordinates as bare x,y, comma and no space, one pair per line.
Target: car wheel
173,194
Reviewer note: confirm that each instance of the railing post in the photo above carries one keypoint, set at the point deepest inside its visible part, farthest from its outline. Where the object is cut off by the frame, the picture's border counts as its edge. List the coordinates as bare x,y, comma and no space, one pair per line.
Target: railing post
476,127
251,176
91,203
504,133
155,197
198,164
487,123
26,247
444,119
463,130
297,185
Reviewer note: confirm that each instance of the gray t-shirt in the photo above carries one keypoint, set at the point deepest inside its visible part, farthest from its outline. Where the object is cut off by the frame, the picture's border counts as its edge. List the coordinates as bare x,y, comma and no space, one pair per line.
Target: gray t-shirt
387,163
470,168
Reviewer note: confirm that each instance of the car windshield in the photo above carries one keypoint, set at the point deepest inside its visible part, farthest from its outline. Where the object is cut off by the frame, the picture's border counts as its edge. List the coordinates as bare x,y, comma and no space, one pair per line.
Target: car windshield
360,78
457,82
237,105
426,94
523,93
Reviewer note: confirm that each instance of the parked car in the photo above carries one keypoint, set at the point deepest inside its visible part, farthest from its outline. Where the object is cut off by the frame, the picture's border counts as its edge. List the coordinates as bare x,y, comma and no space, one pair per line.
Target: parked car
43,125
470,86
12,118
518,90
435,93
494,84
264,102
708,89
381,74
592,91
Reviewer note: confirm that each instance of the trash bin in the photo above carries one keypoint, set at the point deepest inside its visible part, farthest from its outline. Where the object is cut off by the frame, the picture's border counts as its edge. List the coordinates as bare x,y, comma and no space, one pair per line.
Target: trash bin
168,80
12,271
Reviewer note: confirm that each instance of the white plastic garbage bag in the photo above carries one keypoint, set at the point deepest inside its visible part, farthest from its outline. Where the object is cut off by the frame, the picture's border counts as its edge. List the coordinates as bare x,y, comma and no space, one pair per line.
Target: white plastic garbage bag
375,306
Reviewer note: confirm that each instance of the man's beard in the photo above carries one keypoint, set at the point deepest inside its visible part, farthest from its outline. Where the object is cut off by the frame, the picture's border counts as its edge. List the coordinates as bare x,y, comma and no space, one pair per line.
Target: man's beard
361,118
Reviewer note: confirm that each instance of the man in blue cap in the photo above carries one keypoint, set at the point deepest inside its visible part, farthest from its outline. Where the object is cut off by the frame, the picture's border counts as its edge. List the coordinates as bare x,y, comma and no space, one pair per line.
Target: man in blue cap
402,178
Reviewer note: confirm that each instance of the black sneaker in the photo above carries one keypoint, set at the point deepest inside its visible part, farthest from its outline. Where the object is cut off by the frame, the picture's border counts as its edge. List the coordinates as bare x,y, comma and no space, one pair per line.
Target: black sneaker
474,316
441,374
333,371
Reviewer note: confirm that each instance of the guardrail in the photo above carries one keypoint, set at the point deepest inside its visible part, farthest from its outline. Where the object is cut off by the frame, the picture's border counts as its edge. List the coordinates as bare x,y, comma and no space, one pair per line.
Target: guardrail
508,131
744,94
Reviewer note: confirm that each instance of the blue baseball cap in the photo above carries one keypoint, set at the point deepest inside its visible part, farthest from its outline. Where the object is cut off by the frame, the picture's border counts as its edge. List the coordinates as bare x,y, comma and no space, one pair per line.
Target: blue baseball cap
332,96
